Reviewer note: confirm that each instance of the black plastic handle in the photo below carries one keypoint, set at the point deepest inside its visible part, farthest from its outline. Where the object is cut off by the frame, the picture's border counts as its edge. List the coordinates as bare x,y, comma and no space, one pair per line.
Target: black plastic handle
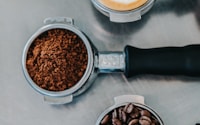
163,61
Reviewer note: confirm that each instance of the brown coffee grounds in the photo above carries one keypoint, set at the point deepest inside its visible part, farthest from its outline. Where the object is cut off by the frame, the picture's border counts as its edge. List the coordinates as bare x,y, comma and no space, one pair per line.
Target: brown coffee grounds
57,59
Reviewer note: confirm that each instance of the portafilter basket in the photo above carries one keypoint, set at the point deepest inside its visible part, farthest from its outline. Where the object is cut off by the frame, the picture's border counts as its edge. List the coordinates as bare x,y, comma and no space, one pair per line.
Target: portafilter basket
132,61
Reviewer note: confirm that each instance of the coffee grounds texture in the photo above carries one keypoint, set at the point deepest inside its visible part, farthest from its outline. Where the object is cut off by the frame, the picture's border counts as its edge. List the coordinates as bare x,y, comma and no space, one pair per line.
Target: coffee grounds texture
57,59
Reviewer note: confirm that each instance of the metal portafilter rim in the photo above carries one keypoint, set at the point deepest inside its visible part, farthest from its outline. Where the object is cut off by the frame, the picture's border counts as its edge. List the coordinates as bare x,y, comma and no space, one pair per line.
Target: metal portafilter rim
90,65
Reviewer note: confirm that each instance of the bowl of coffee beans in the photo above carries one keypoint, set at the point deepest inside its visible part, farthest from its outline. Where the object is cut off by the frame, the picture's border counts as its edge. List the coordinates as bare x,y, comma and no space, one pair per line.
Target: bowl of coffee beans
57,60
129,110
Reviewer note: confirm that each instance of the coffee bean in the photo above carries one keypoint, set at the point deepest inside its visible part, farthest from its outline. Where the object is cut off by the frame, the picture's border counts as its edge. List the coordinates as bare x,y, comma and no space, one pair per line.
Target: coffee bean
105,120
129,115
114,114
129,108
134,122
124,118
135,113
145,113
154,121
144,120
122,115
128,119
116,122
120,110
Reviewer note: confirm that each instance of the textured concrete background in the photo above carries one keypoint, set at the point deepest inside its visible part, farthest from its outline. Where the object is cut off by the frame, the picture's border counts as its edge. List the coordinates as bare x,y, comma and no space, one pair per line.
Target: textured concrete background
169,23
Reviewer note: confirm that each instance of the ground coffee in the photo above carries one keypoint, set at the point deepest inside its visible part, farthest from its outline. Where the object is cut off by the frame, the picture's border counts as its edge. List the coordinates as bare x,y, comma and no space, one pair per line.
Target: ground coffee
57,59
129,115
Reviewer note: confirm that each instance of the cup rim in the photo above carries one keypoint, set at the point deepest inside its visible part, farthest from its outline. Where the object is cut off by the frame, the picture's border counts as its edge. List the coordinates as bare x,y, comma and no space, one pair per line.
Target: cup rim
88,70
143,8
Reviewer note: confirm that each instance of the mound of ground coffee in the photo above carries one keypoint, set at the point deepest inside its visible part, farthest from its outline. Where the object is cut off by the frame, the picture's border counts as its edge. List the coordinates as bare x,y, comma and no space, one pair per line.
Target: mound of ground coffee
129,115
57,59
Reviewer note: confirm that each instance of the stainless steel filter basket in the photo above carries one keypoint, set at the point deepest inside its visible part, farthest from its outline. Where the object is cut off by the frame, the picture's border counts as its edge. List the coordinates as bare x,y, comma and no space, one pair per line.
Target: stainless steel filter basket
65,96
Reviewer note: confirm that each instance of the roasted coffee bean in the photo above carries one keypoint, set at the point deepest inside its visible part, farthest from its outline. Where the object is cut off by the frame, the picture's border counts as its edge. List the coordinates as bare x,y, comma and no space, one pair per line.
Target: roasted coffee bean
120,110
124,118
105,120
134,122
154,121
114,114
128,119
135,113
129,108
129,115
145,113
122,115
144,120
116,121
